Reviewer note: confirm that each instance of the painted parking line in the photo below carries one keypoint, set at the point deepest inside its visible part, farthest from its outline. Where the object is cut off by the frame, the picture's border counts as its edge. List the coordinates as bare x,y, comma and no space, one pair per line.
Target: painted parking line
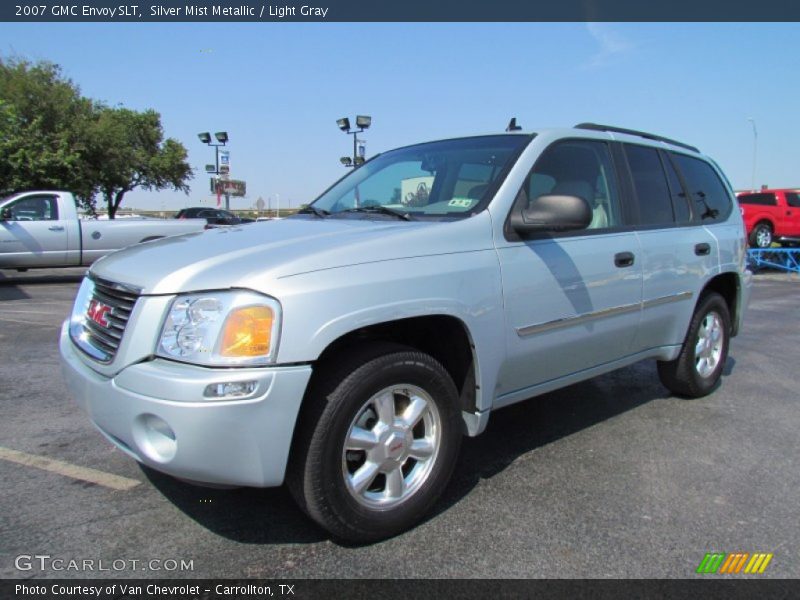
115,482
40,323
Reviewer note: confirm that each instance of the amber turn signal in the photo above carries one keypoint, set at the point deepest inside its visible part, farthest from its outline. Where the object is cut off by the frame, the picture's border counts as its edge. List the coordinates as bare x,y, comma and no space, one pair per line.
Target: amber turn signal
247,332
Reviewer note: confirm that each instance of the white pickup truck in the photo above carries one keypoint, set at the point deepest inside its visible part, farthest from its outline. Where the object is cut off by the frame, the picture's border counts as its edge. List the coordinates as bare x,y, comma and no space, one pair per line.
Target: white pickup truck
42,229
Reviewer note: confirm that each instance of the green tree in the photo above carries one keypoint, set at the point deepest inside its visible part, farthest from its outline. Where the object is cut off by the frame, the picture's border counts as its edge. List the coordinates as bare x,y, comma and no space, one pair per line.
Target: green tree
52,137
43,120
127,150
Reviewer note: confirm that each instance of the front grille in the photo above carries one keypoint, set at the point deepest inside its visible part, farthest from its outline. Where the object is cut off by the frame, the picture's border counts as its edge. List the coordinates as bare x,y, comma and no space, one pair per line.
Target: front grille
107,310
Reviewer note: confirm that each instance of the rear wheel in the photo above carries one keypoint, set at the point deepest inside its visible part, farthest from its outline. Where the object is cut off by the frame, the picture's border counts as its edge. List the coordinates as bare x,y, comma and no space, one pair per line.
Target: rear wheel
699,365
378,443
761,236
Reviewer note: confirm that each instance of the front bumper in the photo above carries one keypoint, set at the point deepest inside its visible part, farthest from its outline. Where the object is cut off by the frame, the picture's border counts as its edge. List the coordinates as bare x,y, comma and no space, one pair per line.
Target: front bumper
155,412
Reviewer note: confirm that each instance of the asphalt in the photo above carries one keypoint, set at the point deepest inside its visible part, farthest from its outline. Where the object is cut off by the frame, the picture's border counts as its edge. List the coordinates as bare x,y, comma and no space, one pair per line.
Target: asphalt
612,477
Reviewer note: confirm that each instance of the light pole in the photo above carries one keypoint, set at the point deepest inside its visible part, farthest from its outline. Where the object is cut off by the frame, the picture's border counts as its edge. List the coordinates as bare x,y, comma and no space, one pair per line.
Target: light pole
222,138
362,122
755,151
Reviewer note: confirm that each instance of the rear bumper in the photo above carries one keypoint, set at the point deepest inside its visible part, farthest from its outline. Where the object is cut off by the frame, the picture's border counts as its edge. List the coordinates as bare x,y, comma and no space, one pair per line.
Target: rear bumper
155,412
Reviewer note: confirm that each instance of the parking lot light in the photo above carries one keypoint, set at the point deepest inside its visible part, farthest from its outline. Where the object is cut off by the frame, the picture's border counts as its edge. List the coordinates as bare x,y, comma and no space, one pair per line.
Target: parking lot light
363,122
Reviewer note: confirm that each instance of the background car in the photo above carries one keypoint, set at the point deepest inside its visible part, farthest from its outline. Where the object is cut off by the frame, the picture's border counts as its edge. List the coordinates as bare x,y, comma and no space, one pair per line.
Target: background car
771,215
213,216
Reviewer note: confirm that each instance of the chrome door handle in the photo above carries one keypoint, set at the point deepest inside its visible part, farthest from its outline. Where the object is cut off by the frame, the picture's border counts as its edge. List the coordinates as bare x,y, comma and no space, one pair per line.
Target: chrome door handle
56,228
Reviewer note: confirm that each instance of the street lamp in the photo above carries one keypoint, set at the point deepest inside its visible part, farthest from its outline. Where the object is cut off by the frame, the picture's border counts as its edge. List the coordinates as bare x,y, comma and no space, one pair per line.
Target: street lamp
222,139
362,122
755,150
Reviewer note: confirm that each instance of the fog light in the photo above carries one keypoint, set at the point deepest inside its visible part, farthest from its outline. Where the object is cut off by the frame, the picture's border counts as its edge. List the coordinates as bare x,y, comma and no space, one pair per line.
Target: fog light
155,438
230,389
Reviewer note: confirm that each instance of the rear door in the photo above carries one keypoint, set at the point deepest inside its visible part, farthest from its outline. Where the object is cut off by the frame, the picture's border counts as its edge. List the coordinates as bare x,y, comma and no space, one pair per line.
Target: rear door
35,236
677,252
572,300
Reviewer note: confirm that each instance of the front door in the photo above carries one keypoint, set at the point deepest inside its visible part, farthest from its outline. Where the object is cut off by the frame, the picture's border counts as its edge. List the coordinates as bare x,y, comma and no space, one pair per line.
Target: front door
572,301
34,235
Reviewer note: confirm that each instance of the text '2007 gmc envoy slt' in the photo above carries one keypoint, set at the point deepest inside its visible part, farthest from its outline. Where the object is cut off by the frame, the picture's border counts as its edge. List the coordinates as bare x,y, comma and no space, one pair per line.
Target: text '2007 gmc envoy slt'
347,349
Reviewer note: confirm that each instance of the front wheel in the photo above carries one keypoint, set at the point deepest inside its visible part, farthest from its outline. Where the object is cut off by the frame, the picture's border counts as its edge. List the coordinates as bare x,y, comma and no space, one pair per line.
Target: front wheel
378,444
699,365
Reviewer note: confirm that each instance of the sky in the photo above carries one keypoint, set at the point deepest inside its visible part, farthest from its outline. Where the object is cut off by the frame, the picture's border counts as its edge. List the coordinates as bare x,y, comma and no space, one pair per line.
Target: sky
278,89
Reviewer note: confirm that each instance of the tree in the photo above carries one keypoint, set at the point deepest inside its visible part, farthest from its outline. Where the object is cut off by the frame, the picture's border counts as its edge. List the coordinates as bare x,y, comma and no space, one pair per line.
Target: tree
43,120
52,137
128,150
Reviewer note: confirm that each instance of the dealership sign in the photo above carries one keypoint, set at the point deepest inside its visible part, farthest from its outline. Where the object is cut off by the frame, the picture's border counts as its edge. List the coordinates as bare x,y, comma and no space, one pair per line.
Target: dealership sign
232,187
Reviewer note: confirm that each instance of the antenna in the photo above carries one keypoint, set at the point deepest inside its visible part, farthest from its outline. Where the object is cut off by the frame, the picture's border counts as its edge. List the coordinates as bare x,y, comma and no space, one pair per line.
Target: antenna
512,125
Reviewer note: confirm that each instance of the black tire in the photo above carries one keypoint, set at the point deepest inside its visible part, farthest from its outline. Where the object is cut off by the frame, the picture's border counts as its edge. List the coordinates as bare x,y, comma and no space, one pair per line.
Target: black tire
761,235
687,375
319,475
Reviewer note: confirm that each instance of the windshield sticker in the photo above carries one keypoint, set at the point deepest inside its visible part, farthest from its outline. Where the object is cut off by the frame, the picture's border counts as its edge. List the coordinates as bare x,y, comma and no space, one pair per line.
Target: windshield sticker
461,202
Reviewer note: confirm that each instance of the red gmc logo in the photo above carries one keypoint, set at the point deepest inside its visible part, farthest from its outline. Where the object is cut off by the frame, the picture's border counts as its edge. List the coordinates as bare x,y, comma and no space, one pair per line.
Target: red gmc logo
97,312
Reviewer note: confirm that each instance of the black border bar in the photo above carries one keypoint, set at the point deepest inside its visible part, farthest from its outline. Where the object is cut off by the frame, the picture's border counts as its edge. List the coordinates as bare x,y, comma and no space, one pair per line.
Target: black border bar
400,11
705,587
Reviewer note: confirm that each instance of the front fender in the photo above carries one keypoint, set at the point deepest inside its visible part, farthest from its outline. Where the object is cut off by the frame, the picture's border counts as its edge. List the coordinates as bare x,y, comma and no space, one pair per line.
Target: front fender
321,307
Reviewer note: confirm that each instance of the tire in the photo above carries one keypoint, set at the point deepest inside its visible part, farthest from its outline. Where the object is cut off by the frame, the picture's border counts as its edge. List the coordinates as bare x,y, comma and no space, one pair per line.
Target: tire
698,368
761,236
358,468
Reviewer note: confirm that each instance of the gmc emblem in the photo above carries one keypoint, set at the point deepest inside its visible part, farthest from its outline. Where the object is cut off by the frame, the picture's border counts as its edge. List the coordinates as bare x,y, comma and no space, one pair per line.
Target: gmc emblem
97,312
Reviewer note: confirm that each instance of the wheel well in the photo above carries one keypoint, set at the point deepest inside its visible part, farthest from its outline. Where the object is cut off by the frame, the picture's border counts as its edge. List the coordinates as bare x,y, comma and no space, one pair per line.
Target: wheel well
443,337
727,286
766,222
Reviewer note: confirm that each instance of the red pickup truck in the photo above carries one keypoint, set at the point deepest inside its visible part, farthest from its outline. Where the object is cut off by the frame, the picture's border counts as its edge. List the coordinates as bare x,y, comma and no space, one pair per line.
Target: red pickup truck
771,215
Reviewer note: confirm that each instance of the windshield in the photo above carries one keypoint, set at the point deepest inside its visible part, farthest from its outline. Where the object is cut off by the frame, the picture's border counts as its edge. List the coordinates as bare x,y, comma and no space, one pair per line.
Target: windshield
441,179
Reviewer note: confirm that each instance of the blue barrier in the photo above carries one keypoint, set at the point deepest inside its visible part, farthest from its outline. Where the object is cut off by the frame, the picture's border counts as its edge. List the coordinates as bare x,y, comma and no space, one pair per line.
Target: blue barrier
785,259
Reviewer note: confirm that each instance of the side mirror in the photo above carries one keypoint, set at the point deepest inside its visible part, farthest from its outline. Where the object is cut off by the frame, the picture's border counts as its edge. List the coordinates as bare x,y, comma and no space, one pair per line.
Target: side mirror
552,213
6,215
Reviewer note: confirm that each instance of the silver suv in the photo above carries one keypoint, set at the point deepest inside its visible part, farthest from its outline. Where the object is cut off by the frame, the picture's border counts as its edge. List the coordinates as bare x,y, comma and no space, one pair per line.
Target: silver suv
346,350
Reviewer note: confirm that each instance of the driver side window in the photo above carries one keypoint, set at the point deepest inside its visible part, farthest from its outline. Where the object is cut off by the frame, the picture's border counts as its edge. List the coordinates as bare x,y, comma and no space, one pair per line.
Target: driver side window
580,168
34,208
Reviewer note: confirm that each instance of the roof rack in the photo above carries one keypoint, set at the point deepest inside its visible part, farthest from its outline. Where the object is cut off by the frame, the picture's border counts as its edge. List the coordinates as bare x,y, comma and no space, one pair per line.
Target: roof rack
648,136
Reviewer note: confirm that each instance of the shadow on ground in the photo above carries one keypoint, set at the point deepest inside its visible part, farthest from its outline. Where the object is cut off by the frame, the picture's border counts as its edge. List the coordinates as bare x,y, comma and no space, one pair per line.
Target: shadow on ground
11,280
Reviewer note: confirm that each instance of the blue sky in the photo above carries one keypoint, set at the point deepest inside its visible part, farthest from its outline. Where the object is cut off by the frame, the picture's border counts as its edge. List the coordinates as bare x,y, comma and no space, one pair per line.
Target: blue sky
278,88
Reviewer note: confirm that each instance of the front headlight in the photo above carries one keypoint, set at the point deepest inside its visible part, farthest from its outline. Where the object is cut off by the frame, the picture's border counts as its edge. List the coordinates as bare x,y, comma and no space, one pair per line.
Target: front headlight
221,328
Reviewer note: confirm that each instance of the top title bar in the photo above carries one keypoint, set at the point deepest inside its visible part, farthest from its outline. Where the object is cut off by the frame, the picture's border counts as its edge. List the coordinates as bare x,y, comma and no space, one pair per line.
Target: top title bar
404,11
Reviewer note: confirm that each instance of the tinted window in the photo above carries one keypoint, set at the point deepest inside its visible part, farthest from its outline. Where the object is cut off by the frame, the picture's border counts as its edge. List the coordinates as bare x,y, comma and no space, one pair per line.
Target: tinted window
680,203
759,199
793,199
709,196
650,185
578,168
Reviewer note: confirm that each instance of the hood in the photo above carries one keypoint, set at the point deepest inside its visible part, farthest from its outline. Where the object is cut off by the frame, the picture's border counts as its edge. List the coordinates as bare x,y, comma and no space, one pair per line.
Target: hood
253,255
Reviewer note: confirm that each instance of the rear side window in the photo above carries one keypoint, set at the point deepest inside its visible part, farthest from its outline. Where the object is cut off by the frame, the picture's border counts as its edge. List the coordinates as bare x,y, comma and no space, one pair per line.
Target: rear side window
708,195
650,184
793,199
680,203
758,199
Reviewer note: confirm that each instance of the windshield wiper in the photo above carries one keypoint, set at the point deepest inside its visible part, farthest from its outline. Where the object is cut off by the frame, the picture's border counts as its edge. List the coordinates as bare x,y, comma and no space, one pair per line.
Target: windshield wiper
313,210
383,210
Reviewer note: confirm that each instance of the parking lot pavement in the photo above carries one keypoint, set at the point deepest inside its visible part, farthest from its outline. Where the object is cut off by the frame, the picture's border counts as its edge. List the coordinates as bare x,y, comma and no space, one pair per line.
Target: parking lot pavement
609,478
